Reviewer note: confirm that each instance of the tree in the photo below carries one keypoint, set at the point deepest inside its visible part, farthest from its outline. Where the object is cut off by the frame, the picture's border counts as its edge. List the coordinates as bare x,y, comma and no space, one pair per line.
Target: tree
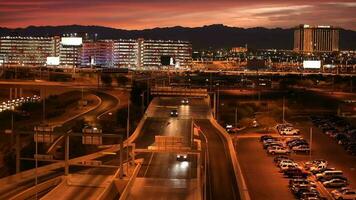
106,80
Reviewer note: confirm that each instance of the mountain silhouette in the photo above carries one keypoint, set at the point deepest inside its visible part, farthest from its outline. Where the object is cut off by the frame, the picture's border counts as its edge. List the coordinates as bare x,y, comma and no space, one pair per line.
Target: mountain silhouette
206,37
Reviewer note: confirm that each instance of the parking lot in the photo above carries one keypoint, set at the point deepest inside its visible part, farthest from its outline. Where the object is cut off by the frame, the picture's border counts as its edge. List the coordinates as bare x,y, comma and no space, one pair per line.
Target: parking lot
264,179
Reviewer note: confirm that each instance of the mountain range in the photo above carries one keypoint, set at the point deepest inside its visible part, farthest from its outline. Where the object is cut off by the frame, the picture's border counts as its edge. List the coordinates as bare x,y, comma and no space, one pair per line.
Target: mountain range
205,37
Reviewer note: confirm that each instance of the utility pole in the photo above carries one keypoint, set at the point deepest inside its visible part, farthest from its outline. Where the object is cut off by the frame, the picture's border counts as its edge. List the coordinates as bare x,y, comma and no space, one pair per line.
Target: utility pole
236,116
310,141
283,109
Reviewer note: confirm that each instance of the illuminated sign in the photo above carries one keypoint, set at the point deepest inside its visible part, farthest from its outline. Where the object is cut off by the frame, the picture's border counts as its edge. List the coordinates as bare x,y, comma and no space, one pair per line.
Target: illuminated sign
72,41
311,64
52,61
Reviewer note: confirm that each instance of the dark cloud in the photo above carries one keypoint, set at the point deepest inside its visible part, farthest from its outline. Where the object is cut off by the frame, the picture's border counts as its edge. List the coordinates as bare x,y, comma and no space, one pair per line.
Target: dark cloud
137,14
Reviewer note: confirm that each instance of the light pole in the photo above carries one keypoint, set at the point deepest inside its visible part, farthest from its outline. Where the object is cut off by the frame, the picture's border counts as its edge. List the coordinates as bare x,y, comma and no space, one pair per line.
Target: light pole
283,109
310,141
236,116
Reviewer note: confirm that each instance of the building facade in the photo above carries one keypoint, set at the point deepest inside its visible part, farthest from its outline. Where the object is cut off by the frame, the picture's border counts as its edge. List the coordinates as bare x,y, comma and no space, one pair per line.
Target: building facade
309,39
153,52
98,53
126,53
72,51
27,51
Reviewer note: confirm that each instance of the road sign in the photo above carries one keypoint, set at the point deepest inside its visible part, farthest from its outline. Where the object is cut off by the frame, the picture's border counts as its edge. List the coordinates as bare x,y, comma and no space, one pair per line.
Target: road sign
8,131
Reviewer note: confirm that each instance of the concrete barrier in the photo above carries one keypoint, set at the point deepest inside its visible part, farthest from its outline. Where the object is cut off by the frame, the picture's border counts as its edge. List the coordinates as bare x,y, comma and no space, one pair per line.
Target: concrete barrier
39,188
243,190
129,185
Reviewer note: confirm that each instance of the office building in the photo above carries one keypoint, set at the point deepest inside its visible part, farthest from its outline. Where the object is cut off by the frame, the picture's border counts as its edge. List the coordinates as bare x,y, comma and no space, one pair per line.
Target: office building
98,53
153,53
126,53
308,39
27,51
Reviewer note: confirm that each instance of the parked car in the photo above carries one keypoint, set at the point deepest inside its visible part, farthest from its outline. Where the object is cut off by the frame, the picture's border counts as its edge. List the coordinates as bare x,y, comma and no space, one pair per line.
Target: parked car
279,158
346,194
296,173
278,150
290,131
327,174
317,162
265,137
301,148
335,183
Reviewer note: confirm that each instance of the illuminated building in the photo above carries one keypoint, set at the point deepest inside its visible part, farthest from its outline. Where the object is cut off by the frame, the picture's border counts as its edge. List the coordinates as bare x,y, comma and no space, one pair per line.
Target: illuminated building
97,53
70,51
316,39
239,50
27,51
152,52
126,53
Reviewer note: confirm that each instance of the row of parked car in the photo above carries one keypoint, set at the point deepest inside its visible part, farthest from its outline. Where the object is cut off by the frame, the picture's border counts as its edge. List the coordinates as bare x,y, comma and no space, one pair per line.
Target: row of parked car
287,129
277,145
331,178
339,129
299,184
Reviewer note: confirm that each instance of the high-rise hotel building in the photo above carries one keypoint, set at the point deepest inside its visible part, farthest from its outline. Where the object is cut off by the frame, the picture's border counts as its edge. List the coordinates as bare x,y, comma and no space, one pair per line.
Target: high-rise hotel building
308,39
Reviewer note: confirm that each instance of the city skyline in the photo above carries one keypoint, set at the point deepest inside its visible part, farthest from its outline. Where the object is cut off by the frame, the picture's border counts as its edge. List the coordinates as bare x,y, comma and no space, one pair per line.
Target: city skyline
139,14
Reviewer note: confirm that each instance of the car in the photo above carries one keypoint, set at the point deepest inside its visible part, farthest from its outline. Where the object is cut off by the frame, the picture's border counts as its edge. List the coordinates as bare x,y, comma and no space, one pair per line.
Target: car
333,177
288,167
300,189
310,195
279,158
174,113
296,173
185,101
301,181
284,161
278,150
326,174
335,183
182,157
301,148
265,137
272,143
317,168
315,163
346,194
289,131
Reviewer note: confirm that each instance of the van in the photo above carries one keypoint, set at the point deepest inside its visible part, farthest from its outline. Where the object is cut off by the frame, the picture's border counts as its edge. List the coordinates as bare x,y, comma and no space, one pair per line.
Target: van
328,174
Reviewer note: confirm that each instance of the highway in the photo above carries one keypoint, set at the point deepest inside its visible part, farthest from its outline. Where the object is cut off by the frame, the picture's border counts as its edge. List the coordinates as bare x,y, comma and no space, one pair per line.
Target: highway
162,176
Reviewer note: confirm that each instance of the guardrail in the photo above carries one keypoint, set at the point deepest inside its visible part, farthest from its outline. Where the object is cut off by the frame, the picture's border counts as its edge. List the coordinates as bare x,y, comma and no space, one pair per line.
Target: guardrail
243,190
129,185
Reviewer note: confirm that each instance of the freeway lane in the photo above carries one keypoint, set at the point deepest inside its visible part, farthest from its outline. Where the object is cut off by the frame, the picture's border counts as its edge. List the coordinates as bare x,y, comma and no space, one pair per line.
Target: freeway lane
221,177
161,175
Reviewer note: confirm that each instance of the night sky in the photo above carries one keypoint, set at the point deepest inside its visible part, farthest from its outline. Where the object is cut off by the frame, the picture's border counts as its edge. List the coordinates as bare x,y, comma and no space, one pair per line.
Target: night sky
141,14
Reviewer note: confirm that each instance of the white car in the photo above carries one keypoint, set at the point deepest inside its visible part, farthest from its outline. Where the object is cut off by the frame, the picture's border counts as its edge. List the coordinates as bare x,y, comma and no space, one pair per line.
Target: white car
288,165
290,131
346,194
278,150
